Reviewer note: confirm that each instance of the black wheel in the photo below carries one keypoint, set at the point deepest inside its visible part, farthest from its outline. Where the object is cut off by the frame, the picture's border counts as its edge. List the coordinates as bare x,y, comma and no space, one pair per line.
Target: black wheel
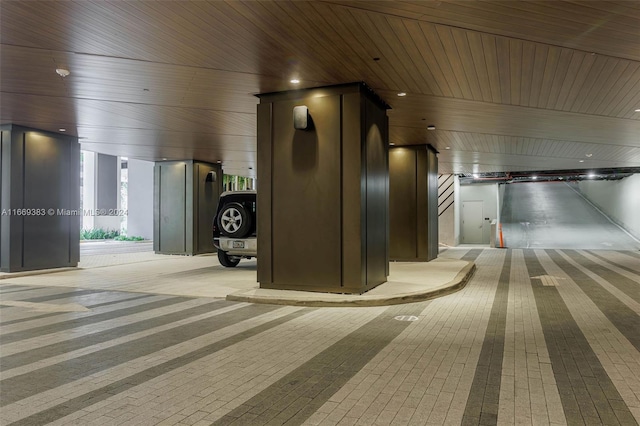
226,260
234,221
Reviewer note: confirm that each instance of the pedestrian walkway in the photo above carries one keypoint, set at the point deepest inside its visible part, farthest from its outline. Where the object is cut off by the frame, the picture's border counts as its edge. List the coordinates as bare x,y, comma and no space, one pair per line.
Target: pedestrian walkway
536,337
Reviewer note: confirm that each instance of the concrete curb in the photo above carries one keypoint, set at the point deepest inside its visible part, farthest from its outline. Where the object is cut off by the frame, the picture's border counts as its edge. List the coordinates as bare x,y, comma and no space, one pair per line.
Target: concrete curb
20,274
324,299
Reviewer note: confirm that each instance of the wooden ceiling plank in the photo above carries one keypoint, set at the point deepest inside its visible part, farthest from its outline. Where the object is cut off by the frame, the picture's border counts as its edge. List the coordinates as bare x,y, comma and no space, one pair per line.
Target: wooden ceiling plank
394,51
614,70
559,77
349,26
322,23
491,54
504,69
515,69
427,55
553,56
207,21
629,104
526,69
630,75
474,16
589,85
626,15
479,64
577,17
466,56
539,65
425,79
311,41
433,39
499,18
453,58
569,78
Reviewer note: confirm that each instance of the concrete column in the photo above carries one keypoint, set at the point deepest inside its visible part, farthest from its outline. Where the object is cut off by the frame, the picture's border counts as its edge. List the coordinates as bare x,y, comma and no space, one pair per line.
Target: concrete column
101,191
185,195
323,197
40,199
140,199
413,203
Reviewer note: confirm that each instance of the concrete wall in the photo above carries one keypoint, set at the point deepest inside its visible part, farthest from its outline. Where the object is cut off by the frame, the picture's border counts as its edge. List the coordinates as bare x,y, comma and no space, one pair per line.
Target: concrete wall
488,194
140,199
456,211
618,199
101,191
446,209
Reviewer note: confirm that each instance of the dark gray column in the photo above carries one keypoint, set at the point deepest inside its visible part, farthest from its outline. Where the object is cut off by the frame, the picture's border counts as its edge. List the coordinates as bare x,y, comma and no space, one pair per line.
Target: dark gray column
101,191
40,200
185,197
413,203
323,192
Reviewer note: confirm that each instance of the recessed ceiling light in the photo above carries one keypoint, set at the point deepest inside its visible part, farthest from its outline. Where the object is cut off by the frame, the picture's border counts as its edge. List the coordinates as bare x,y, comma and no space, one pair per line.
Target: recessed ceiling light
534,177
591,175
391,143
294,81
431,127
448,147
402,94
62,130
589,155
163,159
62,72
581,161
638,110
219,161
476,176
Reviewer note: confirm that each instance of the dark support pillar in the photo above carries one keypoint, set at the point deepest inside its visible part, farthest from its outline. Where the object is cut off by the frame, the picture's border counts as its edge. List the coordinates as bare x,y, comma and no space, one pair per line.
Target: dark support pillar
413,203
323,190
185,198
40,200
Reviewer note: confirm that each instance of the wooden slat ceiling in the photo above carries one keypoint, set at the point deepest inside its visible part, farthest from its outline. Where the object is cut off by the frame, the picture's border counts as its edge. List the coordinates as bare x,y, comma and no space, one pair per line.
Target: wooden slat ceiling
509,85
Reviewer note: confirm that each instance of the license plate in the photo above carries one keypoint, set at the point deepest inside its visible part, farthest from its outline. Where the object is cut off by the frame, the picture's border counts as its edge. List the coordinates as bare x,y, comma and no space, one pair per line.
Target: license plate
238,244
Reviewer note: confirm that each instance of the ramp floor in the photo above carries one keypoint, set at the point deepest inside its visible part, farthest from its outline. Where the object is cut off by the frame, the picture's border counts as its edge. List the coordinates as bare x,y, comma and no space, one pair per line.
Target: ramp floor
555,215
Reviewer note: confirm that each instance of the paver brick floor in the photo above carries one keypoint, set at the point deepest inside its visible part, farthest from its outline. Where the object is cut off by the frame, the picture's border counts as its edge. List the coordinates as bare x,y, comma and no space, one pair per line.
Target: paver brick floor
537,337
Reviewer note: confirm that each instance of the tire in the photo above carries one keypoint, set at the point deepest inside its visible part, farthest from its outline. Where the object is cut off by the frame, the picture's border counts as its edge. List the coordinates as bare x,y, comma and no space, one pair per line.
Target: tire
226,260
234,221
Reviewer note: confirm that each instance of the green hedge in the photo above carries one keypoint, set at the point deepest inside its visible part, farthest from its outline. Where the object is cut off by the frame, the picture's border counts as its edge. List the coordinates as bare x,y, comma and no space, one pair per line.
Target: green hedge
101,234
98,234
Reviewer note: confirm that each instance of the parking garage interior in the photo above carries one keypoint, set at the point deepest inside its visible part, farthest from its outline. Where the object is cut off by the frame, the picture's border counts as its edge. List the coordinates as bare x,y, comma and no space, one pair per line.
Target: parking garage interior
448,194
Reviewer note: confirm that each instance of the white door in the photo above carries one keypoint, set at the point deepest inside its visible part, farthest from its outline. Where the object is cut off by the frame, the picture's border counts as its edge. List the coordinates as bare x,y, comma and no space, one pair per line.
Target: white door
472,222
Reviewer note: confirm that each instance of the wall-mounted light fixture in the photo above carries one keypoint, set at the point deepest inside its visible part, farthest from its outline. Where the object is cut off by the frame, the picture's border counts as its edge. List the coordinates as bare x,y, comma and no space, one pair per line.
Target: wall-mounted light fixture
431,127
62,72
301,117
212,176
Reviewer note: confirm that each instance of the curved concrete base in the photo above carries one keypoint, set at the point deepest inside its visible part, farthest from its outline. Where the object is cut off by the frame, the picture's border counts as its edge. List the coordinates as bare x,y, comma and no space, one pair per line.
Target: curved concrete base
408,282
